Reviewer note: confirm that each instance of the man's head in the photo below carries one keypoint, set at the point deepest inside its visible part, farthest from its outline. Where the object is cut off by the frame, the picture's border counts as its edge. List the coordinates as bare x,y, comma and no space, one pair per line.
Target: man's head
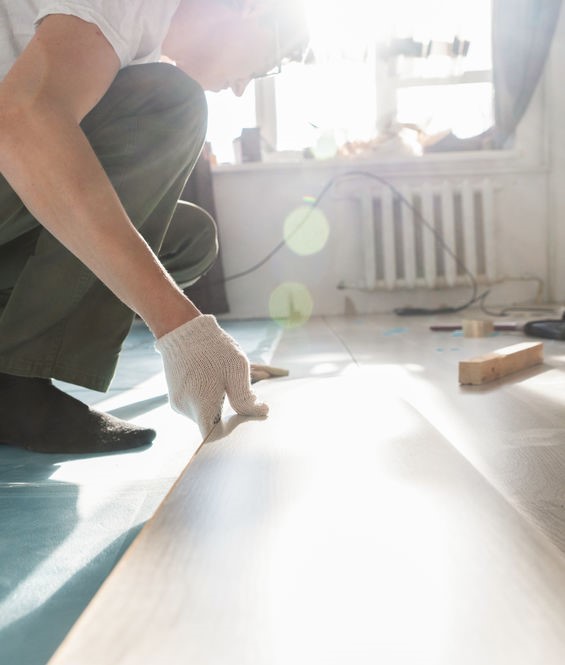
227,43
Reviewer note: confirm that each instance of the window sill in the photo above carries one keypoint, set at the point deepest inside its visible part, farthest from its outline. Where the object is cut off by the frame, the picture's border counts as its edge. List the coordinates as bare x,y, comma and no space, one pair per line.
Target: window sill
452,163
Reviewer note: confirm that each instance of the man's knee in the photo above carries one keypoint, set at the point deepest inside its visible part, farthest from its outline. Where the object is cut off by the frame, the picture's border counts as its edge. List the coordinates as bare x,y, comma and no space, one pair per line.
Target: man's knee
184,101
190,247
157,94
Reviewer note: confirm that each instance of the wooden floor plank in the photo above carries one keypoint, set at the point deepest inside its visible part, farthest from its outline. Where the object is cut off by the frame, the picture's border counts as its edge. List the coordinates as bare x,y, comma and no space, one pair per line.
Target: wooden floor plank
345,528
511,431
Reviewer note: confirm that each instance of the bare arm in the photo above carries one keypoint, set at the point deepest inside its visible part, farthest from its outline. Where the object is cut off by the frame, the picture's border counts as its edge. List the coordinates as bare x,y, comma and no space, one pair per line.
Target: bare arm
44,155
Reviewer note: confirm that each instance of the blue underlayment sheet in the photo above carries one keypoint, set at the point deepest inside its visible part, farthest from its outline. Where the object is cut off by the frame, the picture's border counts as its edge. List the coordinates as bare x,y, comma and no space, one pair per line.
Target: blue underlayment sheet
66,520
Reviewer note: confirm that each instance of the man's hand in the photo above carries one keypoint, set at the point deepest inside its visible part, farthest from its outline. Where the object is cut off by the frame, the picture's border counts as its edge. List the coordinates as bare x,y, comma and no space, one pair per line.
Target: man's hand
203,364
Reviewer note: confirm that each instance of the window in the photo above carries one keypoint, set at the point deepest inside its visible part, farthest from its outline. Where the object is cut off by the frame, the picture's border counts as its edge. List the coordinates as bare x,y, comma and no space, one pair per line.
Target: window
227,115
448,84
389,76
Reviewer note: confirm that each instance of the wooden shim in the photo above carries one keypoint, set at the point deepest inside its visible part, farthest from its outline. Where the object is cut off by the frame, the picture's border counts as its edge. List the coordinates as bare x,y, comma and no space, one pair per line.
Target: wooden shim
500,363
262,372
477,328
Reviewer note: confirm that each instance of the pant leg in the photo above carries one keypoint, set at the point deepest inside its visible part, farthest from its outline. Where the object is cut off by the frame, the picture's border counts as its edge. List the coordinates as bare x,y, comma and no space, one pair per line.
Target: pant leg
190,247
13,257
59,321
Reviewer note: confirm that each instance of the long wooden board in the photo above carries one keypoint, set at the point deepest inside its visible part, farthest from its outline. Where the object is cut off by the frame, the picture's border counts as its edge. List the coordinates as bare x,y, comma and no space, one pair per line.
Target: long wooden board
343,529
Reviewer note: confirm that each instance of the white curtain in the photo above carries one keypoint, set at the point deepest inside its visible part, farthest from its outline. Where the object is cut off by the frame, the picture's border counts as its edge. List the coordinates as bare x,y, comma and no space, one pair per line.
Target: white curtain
522,31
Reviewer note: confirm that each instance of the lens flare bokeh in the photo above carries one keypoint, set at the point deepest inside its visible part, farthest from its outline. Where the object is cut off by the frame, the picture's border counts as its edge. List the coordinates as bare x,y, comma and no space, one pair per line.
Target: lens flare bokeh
306,230
291,305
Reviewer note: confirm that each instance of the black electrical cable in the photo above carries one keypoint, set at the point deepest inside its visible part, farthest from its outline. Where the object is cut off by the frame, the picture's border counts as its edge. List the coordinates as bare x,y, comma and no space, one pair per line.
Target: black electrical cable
403,311
283,242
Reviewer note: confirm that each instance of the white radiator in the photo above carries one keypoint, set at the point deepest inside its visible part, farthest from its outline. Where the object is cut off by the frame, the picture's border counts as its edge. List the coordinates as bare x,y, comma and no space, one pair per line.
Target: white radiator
399,252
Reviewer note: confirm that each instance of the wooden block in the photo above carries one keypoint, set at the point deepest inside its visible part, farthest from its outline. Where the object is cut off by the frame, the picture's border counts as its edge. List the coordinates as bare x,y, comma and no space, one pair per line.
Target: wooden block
500,363
477,328
261,372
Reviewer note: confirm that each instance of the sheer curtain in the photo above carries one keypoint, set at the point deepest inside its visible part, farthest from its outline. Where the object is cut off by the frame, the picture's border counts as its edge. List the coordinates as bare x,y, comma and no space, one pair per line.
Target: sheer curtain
522,31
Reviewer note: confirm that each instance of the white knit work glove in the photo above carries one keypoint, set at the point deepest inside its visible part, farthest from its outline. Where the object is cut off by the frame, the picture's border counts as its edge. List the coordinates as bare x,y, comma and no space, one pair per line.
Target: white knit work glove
203,364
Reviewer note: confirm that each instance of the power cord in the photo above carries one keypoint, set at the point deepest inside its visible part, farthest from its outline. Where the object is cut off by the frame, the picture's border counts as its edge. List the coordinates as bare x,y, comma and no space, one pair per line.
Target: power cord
283,242
516,308
420,311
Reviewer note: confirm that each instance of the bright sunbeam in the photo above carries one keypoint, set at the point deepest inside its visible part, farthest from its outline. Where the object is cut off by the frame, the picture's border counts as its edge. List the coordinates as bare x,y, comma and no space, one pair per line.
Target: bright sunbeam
358,21
358,89
345,25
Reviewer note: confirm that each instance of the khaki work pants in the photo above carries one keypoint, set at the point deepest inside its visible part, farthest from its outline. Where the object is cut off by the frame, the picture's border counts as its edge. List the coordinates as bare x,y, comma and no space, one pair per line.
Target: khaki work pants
57,320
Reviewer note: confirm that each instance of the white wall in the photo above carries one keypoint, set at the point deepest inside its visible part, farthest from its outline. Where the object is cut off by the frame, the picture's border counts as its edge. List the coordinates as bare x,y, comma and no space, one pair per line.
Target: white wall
555,126
253,201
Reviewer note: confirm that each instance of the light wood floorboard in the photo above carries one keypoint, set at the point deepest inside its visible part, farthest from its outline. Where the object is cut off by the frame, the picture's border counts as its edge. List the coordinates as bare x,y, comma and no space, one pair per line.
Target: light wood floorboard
370,519
512,431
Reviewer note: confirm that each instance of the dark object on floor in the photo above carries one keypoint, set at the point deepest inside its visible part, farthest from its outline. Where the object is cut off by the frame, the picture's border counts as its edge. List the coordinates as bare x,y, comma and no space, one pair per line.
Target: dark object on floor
545,328
548,329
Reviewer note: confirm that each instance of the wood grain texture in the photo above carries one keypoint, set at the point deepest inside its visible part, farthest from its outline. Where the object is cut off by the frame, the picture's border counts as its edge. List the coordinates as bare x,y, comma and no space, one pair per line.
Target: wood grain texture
500,363
351,526
512,432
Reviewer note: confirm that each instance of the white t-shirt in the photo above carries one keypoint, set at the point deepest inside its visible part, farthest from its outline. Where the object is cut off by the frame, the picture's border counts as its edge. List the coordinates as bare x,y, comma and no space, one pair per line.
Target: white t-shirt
135,28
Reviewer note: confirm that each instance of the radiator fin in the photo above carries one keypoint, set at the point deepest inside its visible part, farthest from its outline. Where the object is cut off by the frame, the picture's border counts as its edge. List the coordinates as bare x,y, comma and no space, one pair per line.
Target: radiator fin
400,251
